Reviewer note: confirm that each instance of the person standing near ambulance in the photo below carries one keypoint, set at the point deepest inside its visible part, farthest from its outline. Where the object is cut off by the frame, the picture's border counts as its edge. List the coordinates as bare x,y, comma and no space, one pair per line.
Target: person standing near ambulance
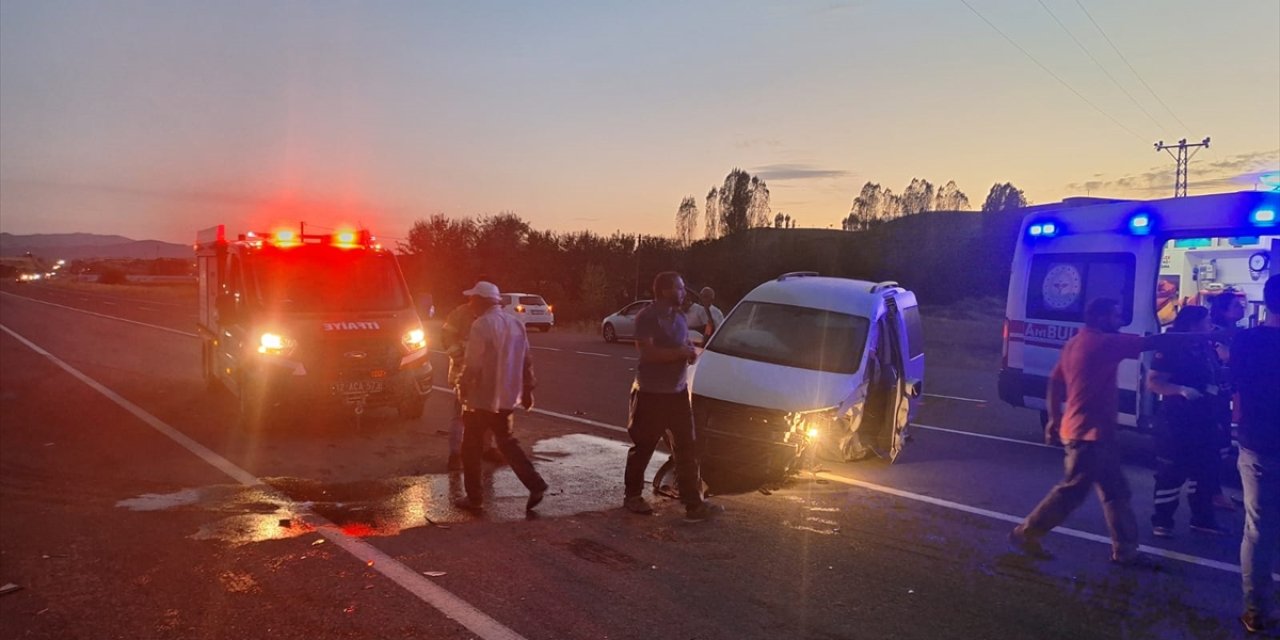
1226,310
1186,427
1255,369
1085,379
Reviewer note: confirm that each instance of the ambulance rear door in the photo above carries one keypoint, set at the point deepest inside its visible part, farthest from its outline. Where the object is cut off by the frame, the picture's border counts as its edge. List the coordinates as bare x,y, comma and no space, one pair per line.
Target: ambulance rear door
1062,274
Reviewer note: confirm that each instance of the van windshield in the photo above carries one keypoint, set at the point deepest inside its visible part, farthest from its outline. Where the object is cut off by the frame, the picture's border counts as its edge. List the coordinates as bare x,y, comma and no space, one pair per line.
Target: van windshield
792,336
319,279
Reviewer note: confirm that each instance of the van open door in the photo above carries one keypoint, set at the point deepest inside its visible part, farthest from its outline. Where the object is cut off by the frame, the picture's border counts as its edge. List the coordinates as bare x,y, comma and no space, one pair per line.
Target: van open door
909,384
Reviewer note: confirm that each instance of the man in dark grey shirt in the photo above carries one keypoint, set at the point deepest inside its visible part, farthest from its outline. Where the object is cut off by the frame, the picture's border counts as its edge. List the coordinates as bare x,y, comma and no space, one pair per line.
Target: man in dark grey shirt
660,400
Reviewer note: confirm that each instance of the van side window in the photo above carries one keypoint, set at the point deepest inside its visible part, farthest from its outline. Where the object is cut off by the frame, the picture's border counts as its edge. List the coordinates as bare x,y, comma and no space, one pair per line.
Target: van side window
1061,284
915,332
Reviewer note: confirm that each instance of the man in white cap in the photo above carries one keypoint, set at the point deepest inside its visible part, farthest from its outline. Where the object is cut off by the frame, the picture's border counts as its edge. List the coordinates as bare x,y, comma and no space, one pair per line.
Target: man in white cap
496,377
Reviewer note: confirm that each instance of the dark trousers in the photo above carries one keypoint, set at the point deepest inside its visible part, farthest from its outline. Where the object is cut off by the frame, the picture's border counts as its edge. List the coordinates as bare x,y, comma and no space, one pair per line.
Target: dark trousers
1090,464
476,425
1185,451
653,416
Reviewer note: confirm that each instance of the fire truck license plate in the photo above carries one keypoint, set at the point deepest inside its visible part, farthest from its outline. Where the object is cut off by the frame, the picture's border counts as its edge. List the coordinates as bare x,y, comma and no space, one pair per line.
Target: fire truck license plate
357,386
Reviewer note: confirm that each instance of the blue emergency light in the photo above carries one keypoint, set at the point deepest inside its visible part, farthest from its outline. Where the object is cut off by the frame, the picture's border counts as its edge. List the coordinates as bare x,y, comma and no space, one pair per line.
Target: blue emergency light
1263,217
1140,224
1043,230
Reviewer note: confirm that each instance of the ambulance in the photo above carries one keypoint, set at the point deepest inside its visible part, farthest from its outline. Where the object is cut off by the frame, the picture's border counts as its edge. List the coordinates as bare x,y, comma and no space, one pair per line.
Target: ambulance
1153,256
295,324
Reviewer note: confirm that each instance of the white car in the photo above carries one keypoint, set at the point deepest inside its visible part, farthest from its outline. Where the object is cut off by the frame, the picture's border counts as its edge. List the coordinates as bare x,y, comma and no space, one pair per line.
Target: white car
828,357
621,325
532,310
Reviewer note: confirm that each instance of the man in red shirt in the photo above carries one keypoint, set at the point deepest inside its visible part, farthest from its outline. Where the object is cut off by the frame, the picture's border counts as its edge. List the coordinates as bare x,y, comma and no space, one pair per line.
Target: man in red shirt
1085,378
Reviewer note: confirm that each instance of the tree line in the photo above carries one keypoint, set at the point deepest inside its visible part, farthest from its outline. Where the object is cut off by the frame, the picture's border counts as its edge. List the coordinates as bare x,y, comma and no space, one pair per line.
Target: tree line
588,275
742,202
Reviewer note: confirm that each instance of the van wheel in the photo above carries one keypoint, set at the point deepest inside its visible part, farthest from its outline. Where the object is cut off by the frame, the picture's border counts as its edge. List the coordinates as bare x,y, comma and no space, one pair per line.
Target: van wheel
413,407
610,334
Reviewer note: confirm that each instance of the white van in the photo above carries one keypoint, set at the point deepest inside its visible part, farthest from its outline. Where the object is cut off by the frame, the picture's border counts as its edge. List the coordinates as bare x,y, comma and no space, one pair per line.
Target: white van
1152,256
825,357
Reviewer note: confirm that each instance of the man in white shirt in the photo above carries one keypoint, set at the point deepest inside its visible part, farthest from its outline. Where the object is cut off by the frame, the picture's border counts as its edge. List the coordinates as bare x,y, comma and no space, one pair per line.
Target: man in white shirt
496,377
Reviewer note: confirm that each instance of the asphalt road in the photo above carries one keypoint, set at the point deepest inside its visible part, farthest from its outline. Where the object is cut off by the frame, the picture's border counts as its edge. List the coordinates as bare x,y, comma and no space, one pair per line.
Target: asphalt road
132,506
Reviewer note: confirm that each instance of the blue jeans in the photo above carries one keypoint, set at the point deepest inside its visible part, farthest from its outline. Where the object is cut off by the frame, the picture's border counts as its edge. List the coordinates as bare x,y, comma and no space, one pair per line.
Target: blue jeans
1260,478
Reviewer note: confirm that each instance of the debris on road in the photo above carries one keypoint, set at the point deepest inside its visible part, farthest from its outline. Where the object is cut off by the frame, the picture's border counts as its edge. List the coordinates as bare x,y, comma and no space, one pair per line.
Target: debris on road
9,588
318,542
286,522
434,574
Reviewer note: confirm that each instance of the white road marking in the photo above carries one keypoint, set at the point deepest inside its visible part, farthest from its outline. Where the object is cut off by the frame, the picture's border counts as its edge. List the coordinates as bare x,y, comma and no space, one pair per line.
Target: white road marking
591,353
102,315
983,436
935,395
110,304
631,358
444,601
546,348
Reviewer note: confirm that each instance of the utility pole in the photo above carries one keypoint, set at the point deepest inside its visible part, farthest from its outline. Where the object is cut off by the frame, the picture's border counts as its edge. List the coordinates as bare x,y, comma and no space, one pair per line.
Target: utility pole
1183,159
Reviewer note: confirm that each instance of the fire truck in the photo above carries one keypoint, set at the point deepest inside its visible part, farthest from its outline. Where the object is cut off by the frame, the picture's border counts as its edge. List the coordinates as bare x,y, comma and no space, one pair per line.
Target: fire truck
1152,256
293,323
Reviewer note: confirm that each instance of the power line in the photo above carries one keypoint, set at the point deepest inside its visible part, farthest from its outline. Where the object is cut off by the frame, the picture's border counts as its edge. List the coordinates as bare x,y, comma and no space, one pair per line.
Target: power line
1126,62
1050,72
1099,65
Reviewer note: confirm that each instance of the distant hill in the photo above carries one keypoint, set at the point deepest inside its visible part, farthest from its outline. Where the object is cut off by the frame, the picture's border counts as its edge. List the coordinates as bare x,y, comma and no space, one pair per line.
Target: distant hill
81,246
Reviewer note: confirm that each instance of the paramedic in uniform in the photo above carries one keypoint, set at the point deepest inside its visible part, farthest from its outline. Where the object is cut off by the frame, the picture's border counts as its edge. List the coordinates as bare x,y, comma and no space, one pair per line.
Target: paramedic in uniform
1186,426
1086,378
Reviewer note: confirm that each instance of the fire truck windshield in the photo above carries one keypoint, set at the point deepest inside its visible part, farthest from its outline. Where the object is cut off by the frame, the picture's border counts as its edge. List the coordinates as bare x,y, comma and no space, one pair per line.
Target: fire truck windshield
324,279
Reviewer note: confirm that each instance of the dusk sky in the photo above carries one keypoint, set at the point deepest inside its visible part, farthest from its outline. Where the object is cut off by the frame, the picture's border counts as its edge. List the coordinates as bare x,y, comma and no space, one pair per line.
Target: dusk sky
152,119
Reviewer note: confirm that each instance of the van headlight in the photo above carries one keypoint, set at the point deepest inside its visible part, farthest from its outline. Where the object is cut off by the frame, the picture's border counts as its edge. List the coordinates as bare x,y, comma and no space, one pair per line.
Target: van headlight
274,344
816,425
414,340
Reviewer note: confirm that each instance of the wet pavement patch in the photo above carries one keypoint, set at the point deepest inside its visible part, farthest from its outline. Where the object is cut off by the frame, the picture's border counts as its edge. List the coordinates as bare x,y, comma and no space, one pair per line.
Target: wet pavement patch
583,471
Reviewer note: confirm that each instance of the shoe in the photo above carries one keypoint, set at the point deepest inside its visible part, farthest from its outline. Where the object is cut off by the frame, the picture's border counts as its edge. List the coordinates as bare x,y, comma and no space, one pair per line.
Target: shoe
702,512
1254,622
637,504
1137,561
1030,547
535,498
455,462
1163,532
468,503
1221,501
494,456
1209,529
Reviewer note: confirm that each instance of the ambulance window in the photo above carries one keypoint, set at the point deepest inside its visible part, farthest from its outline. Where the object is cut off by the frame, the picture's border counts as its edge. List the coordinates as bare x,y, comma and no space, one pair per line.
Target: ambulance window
1061,284
915,332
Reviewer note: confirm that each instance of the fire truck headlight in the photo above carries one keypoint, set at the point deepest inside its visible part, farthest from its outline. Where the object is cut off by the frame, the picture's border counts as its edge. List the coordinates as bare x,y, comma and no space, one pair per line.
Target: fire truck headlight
414,340
274,344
